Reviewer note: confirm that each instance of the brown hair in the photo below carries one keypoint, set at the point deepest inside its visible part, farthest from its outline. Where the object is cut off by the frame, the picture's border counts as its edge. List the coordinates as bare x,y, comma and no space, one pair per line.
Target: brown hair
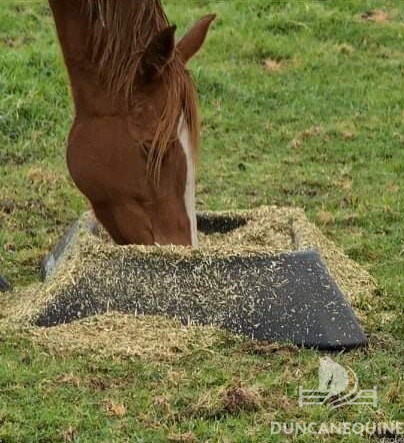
120,31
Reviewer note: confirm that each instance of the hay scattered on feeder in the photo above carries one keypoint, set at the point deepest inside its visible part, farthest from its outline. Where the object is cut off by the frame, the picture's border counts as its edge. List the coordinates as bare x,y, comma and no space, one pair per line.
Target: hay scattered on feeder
93,259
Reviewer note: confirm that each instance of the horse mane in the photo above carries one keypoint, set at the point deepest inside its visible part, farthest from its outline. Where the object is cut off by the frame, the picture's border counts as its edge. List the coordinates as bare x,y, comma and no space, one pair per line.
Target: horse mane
119,33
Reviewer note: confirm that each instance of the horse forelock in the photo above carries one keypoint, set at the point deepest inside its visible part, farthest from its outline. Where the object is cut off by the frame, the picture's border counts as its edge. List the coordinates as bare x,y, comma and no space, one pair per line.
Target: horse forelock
118,35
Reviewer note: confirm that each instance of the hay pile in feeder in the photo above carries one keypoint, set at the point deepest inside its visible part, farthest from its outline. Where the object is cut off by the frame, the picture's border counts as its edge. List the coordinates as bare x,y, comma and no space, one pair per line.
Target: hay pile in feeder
92,264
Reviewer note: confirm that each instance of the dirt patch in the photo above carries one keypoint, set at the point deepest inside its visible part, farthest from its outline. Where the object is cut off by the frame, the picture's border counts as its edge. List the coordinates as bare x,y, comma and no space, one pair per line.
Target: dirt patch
272,66
267,348
240,398
375,15
314,131
113,409
182,438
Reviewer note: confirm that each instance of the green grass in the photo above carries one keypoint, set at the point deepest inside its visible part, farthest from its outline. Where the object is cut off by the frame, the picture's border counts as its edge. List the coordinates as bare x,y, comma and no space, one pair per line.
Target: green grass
324,132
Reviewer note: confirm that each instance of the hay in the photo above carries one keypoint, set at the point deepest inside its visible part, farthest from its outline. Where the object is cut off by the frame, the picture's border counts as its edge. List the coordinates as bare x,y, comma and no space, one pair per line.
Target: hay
92,261
115,334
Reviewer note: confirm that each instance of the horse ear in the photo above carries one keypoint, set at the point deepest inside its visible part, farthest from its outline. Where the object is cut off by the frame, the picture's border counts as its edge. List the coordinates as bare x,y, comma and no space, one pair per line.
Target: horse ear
192,41
159,53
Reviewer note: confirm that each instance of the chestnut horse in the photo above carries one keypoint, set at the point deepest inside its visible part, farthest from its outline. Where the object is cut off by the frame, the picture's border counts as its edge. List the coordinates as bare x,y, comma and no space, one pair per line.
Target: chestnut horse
132,145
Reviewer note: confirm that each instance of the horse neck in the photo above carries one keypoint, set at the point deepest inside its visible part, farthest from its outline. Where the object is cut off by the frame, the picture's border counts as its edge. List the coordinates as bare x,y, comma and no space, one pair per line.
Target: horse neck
89,93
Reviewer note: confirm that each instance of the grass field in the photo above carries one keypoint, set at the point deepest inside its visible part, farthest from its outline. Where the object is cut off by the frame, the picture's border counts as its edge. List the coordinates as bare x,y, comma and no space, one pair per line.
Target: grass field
302,105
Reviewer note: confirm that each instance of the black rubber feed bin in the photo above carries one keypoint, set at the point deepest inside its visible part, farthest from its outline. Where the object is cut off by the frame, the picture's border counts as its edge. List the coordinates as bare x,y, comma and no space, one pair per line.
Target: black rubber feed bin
268,274
4,285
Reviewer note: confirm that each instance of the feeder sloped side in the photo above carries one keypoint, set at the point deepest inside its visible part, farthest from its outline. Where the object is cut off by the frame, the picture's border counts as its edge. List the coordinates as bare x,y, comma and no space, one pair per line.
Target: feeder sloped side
286,298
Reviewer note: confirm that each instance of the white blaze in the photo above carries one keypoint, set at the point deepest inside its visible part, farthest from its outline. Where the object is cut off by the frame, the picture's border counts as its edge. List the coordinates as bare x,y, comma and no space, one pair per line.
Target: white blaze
189,195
